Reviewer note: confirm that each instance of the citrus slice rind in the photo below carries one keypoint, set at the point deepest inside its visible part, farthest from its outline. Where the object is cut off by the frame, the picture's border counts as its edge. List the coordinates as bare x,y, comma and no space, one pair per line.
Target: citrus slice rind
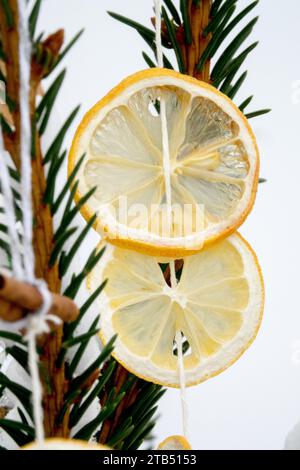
217,305
174,443
64,444
214,164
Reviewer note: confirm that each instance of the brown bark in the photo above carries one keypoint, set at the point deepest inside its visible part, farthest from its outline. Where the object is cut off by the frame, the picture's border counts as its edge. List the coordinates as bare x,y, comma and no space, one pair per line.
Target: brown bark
199,19
10,44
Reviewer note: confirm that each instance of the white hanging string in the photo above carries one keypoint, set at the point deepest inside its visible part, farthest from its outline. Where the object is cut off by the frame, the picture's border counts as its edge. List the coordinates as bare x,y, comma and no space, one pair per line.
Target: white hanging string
37,323
167,178
163,115
184,406
26,184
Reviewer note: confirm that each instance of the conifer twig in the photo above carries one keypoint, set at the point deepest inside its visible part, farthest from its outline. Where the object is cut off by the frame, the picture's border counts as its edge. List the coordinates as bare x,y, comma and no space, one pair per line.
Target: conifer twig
53,377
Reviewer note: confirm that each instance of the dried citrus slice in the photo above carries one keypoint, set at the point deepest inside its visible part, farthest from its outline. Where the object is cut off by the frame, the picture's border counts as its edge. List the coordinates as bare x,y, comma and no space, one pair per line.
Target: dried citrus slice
174,443
212,170
64,444
217,306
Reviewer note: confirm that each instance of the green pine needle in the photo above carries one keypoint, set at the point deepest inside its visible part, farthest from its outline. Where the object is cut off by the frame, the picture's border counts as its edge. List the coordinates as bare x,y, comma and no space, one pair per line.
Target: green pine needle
19,432
22,393
122,433
152,45
22,416
77,383
6,129
33,18
218,18
70,328
59,245
66,187
82,338
172,9
257,113
77,280
79,409
4,246
45,107
68,206
86,432
231,93
197,3
81,349
216,41
148,61
54,169
245,103
234,65
215,7
67,48
233,48
55,147
133,24
66,260
172,34
19,355
138,430
3,228
186,22
8,13
12,337
68,218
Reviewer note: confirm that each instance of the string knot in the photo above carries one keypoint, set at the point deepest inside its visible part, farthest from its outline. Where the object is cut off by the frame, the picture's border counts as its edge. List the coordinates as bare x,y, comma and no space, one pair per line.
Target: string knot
38,321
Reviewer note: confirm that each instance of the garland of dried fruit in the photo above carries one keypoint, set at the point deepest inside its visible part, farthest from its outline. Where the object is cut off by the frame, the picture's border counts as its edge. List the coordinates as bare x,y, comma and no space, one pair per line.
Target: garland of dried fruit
189,56
213,300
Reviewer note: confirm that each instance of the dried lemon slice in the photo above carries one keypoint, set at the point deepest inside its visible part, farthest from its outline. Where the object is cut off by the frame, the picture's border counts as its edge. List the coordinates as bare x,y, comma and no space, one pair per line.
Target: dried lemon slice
64,444
174,443
217,306
212,172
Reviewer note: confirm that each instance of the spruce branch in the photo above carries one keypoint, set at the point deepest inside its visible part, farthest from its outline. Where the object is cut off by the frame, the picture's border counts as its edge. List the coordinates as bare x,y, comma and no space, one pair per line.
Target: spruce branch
47,54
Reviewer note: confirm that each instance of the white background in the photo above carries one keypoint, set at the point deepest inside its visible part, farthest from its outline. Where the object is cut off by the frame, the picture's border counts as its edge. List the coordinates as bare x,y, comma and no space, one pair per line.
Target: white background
256,402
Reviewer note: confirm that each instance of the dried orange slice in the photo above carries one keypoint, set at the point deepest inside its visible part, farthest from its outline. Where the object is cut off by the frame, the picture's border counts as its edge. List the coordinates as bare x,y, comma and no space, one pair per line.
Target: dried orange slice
217,305
212,172
174,443
64,444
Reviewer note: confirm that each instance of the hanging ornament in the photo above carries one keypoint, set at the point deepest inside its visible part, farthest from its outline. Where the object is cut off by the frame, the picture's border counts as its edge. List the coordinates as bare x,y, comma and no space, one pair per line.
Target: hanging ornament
174,166
209,165
217,305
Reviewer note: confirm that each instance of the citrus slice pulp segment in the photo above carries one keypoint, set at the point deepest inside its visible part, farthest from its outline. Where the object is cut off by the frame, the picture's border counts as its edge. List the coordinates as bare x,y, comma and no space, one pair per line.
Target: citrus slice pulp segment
217,306
145,106
141,324
213,163
122,134
118,178
221,324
